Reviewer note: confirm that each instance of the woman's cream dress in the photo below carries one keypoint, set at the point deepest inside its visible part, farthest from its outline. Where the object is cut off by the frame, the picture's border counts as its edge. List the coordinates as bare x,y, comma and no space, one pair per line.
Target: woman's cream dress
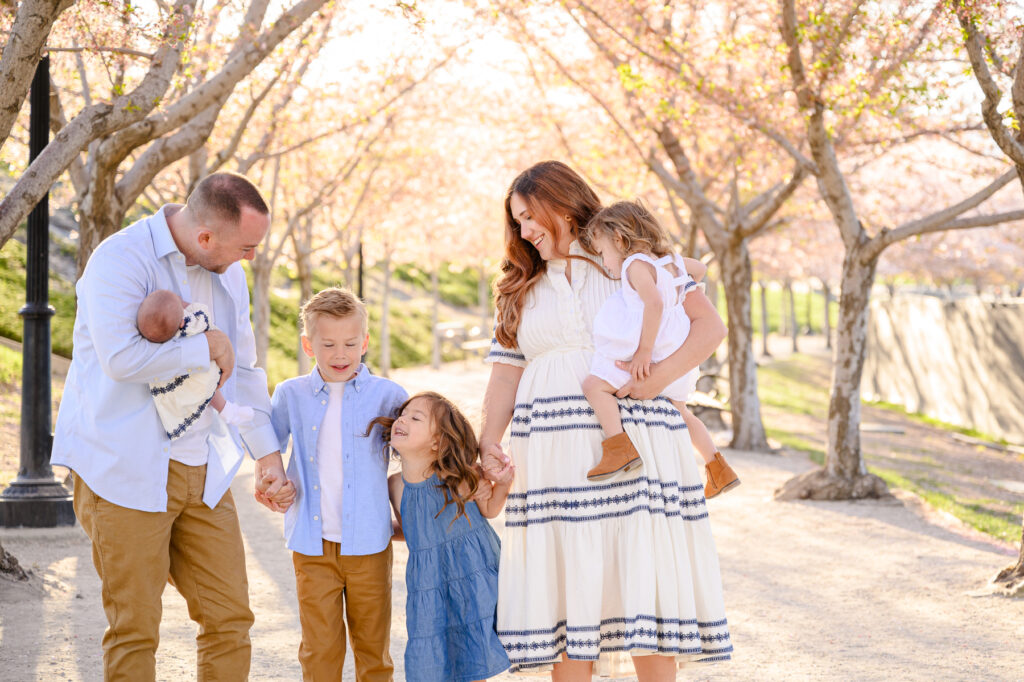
598,570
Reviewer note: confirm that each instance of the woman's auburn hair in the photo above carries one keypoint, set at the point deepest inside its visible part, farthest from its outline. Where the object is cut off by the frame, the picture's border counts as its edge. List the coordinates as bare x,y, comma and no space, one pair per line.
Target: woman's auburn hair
456,448
549,188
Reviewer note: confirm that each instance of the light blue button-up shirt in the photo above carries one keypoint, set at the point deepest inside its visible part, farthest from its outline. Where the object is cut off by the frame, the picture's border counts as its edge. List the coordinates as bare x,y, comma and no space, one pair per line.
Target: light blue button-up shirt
298,409
108,430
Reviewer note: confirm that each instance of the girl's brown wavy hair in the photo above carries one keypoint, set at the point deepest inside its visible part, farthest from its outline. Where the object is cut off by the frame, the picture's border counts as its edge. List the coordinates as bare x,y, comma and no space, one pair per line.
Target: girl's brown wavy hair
456,448
633,223
549,188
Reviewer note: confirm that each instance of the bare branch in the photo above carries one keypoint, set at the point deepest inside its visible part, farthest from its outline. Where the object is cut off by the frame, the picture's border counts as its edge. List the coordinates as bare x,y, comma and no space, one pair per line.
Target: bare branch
91,123
1003,136
214,90
830,178
31,27
76,170
768,204
116,50
940,220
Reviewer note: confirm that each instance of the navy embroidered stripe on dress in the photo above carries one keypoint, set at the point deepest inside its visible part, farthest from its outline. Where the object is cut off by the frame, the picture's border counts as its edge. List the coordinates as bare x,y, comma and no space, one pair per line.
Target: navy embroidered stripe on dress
608,515
607,486
169,386
188,421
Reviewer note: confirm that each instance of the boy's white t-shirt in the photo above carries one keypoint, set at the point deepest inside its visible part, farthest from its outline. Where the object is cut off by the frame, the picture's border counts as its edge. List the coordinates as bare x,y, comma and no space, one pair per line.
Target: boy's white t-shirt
192,448
328,454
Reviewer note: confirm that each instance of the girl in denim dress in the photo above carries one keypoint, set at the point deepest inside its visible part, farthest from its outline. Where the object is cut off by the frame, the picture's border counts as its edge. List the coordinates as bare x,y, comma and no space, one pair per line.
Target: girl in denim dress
442,504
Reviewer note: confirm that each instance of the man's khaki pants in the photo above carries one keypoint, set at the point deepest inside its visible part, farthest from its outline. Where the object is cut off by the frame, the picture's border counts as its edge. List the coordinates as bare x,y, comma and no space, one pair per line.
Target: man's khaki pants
199,548
333,589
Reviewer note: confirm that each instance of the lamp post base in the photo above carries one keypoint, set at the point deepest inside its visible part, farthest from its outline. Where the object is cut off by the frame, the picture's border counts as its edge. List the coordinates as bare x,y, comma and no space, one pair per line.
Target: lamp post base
36,503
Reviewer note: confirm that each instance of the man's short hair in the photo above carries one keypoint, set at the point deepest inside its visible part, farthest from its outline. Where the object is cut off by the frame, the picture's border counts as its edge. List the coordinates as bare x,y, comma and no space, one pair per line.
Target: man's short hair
336,302
221,196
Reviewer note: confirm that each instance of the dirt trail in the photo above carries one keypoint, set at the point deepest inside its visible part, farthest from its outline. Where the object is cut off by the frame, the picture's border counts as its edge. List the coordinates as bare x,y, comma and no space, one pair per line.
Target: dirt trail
836,591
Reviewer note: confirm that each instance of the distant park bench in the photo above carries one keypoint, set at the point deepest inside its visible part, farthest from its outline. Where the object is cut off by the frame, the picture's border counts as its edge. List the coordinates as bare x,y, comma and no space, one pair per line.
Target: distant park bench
468,340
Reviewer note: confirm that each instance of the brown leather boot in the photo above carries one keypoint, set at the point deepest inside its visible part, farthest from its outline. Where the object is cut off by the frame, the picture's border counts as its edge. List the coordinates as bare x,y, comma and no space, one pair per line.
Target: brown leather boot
617,457
720,475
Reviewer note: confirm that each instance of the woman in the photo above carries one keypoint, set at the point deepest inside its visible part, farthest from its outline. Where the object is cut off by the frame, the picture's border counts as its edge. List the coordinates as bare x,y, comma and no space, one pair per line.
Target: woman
591,572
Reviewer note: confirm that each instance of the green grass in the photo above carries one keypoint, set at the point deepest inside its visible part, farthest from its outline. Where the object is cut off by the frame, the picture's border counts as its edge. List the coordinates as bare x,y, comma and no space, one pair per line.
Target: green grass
931,421
12,293
409,328
778,301
800,384
983,515
458,286
785,385
793,441
10,366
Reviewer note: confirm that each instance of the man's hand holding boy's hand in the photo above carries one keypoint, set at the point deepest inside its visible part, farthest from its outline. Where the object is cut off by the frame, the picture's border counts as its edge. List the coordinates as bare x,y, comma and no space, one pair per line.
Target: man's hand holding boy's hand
273,489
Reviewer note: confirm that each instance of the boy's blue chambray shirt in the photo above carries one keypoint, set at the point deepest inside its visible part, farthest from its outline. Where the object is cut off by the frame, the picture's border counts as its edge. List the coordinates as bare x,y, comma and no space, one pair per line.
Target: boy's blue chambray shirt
297,410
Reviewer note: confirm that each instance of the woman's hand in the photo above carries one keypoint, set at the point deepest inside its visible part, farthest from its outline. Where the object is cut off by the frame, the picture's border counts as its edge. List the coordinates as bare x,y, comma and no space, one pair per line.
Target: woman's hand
493,460
644,389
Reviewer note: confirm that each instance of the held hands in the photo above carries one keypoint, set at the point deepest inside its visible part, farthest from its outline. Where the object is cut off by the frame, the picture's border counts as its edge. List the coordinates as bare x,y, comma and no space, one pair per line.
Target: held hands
497,466
221,353
273,489
644,389
483,488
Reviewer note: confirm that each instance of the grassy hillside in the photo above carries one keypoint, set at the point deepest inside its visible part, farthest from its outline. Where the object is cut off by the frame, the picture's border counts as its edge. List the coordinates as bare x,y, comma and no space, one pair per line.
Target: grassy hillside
409,320
12,293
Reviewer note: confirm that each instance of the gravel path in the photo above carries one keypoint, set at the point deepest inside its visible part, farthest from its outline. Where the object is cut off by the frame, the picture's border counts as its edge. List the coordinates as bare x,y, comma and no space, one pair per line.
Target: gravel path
833,591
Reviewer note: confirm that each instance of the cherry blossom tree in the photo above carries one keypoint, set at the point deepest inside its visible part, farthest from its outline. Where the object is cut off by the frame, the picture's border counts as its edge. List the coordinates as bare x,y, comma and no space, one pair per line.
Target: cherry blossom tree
845,64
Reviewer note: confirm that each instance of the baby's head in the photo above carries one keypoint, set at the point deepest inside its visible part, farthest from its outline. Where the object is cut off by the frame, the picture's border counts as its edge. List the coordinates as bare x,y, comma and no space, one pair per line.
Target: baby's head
629,227
334,331
160,315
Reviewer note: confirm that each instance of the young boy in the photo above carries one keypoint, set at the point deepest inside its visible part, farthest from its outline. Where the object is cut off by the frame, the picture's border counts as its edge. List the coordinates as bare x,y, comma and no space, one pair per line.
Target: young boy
339,528
180,401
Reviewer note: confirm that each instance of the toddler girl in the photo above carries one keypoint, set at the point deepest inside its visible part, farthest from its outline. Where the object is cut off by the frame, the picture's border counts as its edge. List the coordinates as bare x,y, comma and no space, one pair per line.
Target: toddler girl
452,573
643,322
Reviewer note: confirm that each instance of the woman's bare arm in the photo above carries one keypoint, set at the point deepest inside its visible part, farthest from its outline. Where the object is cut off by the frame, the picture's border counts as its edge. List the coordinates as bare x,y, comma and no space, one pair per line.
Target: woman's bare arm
499,404
706,332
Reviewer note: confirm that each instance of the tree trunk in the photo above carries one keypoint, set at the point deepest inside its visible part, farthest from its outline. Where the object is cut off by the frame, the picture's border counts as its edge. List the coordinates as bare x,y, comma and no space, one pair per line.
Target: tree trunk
435,293
828,314
385,313
1010,580
261,270
744,404
810,299
794,329
783,314
764,321
100,214
304,267
845,475
9,566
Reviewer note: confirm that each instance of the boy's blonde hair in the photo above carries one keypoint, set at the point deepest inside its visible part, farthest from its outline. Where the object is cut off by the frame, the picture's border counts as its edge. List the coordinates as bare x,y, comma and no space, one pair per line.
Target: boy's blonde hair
634,224
336,302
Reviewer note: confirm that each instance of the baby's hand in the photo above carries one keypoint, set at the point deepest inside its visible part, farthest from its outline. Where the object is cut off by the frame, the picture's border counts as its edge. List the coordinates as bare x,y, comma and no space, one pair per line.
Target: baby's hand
640,365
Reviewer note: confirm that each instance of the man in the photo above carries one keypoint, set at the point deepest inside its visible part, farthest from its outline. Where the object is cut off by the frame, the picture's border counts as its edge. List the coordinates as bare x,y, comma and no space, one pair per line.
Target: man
154,507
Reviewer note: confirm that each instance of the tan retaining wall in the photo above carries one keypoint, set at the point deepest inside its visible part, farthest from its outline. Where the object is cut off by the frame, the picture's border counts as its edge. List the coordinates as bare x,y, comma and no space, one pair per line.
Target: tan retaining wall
959,361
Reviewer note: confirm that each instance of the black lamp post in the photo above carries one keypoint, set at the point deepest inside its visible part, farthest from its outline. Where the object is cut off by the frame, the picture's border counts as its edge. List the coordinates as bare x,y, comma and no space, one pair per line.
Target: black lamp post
35,498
